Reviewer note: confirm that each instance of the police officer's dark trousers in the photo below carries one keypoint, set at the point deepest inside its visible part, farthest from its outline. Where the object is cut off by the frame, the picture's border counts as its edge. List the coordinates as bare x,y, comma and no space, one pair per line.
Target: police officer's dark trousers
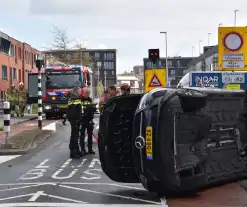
87,125
75,129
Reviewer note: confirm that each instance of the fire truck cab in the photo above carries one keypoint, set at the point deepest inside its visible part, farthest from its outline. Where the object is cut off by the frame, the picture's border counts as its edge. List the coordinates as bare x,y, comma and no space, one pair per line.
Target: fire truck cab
57,84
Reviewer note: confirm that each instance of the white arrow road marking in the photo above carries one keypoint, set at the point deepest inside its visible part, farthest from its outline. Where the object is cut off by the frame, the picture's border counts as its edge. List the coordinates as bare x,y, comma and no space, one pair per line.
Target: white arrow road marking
6,158
36,196
108,194
41,193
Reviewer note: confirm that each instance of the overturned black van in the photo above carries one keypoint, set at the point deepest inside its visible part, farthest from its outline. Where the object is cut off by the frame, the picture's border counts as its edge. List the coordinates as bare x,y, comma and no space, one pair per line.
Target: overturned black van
174,140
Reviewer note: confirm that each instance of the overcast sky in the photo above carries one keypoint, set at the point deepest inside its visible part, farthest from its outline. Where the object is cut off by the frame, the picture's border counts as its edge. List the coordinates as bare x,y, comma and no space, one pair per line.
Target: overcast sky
131,27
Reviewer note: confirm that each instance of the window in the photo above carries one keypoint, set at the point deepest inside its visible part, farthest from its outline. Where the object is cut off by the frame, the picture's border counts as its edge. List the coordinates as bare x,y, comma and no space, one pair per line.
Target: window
99,64
108,56
12,50
34,57
4,72
110,82
169,63
14,74
173,72
97,55
132,84
19,53
185,72
178,62
86,54
108,65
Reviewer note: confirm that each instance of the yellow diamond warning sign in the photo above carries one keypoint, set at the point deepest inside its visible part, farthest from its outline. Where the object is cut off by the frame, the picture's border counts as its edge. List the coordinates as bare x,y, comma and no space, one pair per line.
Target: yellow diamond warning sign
154,78
155,82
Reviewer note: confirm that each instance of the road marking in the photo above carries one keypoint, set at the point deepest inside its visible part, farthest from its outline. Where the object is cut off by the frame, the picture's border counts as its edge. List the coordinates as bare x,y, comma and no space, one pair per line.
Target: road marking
70,205
6,158
65,199
31,185
163,202
108,194
18,196
51,126
36,196
56,174
68,183
22,187
42,164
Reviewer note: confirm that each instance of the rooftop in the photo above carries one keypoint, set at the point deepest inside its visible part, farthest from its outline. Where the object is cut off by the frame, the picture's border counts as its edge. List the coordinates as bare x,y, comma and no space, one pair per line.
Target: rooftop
84,50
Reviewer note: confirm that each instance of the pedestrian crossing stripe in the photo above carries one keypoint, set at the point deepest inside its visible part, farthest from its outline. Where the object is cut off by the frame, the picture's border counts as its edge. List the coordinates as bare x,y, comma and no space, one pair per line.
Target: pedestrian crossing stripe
6,158
155,82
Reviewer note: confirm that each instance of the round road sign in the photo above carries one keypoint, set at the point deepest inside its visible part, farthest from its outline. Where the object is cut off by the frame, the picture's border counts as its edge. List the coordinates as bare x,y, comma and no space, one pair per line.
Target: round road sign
233,41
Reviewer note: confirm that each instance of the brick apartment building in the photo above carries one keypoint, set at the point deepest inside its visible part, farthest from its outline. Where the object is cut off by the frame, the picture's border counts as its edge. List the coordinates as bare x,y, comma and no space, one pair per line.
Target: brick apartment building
17,59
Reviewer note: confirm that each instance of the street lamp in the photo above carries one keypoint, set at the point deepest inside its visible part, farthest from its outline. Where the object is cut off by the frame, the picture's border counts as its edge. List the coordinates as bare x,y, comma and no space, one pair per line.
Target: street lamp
165,33
209,38
200,41
235,16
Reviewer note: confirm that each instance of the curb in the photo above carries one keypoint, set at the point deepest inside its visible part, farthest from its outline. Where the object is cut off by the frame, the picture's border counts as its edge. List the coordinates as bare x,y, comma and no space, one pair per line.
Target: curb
45,134
20,122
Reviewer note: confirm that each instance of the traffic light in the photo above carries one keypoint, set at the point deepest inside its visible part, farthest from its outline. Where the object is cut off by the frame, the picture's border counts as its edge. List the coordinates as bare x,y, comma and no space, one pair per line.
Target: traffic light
154,55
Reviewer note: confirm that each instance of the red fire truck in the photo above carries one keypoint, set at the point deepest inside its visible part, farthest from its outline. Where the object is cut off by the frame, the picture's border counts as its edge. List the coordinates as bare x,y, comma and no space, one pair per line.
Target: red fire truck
57,82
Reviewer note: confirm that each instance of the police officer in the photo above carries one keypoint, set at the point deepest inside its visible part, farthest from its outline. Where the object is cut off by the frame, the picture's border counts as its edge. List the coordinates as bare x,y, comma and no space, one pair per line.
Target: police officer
12,97
22,99
74,117
88,109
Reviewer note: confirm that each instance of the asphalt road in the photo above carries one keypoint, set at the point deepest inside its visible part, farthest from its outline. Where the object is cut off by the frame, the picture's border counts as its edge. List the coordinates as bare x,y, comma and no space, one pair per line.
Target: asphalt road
48,176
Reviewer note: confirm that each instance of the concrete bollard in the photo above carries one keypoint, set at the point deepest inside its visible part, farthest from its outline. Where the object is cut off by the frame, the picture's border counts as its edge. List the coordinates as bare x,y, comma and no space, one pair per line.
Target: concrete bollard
6,120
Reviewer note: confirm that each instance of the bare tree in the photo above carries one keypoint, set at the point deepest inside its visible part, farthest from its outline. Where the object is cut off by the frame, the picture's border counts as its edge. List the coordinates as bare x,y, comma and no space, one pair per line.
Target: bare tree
61,42
82,57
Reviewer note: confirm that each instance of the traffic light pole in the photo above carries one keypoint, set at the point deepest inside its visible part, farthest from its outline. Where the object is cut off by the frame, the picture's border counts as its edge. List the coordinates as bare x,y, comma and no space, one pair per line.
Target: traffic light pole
39,64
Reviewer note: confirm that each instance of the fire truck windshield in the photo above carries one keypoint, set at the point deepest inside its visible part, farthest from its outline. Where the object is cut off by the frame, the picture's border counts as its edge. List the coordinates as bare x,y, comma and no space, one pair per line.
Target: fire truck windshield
63,80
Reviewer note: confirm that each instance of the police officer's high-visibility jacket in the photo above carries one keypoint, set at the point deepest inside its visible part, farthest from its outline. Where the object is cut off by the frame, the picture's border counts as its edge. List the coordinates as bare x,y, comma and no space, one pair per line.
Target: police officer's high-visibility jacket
11,94
88,108
22,95
74,111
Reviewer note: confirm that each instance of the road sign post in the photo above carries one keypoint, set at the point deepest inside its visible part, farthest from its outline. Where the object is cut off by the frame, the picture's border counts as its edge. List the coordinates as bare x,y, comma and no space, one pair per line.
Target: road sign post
232,49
